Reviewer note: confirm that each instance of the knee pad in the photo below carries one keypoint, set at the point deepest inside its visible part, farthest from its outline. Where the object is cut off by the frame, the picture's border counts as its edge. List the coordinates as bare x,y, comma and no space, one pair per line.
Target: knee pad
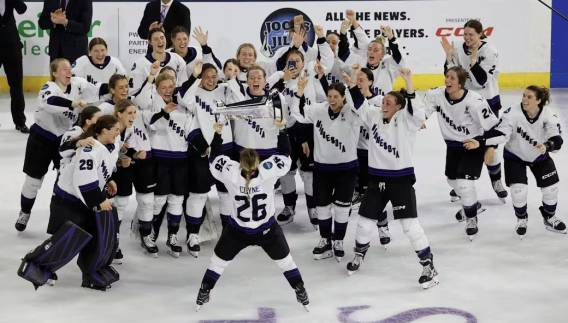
414,232
121,202
31,186
466,190
324,212
519,193
175,204
453,183
195,204
218,265
308,179
288,182
287,263
365,227
225,203
341,213
145,208
550,194
159,202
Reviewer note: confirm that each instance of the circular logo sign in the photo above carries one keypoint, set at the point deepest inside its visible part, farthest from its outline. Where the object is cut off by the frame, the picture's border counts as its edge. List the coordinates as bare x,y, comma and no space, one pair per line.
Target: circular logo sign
274,32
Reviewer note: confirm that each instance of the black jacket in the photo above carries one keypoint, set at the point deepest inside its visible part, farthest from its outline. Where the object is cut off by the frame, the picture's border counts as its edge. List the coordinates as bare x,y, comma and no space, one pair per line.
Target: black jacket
69,42
178,15
8,30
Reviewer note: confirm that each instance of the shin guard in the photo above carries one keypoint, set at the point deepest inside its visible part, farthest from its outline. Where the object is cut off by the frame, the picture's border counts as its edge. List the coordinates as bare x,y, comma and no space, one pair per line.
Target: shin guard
39,265
95,258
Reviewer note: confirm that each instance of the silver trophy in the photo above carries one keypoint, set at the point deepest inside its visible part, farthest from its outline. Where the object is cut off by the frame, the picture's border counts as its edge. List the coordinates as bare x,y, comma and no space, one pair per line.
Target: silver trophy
258,108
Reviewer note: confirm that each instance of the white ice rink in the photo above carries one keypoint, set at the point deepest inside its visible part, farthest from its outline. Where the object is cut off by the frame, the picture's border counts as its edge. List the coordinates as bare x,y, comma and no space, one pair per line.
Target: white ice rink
495,279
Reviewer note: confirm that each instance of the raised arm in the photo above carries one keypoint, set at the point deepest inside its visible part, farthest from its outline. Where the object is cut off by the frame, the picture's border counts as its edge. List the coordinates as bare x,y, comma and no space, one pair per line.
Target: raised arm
301,109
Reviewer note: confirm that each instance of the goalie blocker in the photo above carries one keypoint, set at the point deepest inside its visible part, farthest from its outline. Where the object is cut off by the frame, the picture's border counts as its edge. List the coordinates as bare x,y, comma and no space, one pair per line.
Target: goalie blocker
96,245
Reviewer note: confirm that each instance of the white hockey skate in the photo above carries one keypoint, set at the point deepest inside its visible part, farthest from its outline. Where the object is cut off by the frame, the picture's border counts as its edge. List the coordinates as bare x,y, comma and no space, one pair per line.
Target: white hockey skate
174,249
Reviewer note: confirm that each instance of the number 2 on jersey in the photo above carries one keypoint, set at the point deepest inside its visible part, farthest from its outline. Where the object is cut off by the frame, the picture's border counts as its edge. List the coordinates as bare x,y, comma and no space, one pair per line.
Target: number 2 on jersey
256,208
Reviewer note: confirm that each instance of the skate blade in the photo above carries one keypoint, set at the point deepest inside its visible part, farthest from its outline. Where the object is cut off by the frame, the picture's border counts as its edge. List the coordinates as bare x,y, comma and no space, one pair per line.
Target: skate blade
117,262
385,246
198,307
316,226
193,253
556,231
151,255
431,283
173,254
50,282
455,199
503,199
325,255
338,258
480,210
471,237
350,273
307,308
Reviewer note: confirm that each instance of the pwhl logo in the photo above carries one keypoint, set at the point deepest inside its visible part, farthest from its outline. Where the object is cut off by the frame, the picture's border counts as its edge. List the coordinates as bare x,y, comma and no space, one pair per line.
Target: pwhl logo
449,31
274,32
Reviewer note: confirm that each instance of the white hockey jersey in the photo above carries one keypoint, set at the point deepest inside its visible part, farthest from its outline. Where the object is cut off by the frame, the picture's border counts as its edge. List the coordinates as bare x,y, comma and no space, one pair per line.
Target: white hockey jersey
385,74
169,132
193,55
466,118
257,214
141,70
55,115
67,155
363,144
335,135
97,73
204,101
391,144
258,134
84,179
483,78
522,134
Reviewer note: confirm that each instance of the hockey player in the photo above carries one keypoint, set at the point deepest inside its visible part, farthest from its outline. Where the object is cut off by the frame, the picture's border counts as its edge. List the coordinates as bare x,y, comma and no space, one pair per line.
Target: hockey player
301,135
532,131
82,219
141,67
335,167
59,103
97,67
168,129
251,186
395,124
200,178
180,40
480,59
231,67
463,116
87,118
385,67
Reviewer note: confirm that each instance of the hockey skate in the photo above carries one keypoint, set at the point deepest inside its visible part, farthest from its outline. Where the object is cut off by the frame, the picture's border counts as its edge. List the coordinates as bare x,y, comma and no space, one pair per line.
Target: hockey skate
22,221
323,250
355,265
454,197
429,277
174,249
384,235
52,279
118,257
203,296
552,223
193,247
521,227
460,216
338,251
471,227
286,216
150,248
302,296
500,190
313,214
134,230
95,283
356,200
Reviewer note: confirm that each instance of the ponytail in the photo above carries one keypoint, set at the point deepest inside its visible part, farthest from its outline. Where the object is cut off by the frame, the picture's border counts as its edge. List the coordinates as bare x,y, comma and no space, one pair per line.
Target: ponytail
249,163
541,93
87,114
104,122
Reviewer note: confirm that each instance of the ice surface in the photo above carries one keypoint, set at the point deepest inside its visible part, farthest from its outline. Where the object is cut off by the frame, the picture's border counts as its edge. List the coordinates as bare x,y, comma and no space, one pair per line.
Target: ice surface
496,278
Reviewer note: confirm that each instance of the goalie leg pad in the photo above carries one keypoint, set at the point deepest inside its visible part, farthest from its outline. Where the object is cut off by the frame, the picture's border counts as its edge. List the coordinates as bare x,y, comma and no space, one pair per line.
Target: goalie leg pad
40,264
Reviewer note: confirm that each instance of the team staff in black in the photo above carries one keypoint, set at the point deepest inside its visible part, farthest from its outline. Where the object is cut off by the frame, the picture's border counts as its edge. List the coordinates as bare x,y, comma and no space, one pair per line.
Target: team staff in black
11,59
69,22
166,14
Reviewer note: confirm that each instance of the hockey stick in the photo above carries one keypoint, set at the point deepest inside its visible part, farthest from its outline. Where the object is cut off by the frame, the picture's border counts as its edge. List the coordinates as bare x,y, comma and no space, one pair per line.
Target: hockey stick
556,11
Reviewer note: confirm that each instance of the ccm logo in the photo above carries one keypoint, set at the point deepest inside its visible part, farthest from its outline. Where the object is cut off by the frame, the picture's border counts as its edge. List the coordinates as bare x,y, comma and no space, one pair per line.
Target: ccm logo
396,208
448,31
548,175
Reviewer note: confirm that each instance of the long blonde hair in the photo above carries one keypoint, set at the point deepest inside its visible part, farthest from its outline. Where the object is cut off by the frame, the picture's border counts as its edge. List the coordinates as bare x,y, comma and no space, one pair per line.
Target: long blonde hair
249,161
